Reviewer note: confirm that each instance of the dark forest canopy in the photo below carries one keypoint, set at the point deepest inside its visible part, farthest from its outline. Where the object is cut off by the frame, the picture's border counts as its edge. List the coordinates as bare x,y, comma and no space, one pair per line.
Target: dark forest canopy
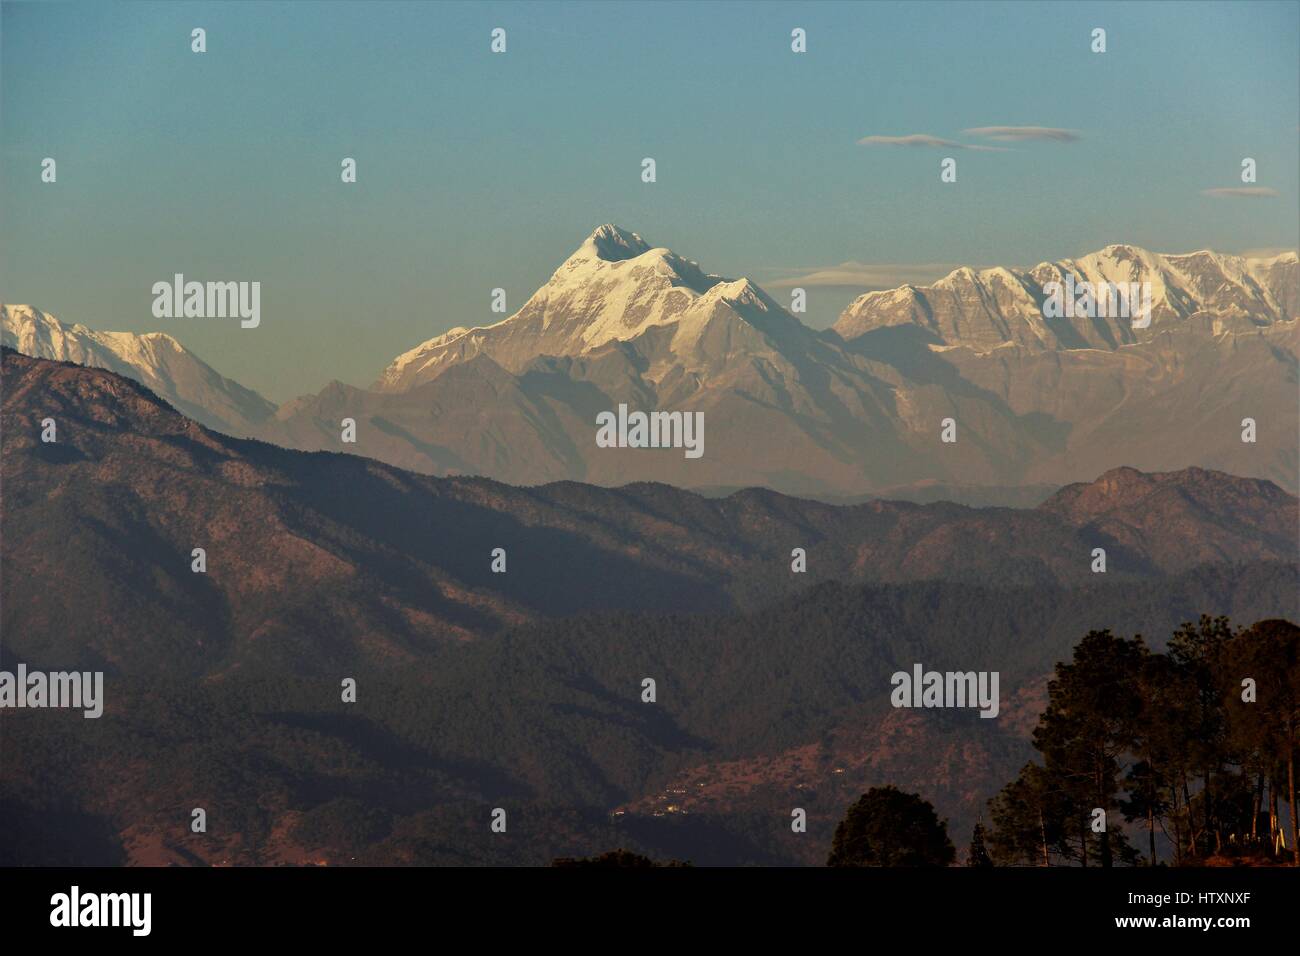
547,721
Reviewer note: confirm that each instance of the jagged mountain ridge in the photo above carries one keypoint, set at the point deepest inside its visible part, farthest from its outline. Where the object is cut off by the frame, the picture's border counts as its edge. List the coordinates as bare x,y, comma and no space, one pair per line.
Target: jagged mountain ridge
155,359
616,287
991,308
845,412
858,408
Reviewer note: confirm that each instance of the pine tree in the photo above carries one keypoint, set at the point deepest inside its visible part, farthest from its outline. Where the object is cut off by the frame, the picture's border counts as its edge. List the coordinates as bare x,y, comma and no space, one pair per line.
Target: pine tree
1196,651
1029,821
978,855
1266,732
1091,722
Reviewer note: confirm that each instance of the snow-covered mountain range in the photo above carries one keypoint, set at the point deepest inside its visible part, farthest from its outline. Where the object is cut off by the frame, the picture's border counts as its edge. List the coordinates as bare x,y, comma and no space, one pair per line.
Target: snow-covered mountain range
990,308
856,409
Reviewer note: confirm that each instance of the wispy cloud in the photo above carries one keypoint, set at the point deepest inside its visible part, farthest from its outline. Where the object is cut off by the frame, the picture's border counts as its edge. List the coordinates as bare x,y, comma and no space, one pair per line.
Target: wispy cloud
1023,134
1240,192
925,139
861,275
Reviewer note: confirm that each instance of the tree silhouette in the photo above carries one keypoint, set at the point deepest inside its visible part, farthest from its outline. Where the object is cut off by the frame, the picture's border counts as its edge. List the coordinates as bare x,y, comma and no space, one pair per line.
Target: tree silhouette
1030,820
887,827
978,856
1200,734
1265,733
1196,651
1091,721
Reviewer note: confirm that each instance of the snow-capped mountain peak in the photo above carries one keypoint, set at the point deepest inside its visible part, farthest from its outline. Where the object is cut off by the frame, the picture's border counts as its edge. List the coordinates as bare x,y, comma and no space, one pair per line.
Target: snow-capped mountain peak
615,288
155,359
613,243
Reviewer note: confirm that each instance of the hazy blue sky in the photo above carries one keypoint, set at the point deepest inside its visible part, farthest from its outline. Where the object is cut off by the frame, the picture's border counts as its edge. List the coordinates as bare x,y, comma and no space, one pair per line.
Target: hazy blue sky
479,170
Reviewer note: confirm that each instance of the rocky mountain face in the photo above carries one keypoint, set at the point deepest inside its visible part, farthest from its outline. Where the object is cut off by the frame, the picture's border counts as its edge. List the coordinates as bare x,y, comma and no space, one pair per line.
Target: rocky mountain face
1036,400
1220,348
622,323
983,310
155,359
